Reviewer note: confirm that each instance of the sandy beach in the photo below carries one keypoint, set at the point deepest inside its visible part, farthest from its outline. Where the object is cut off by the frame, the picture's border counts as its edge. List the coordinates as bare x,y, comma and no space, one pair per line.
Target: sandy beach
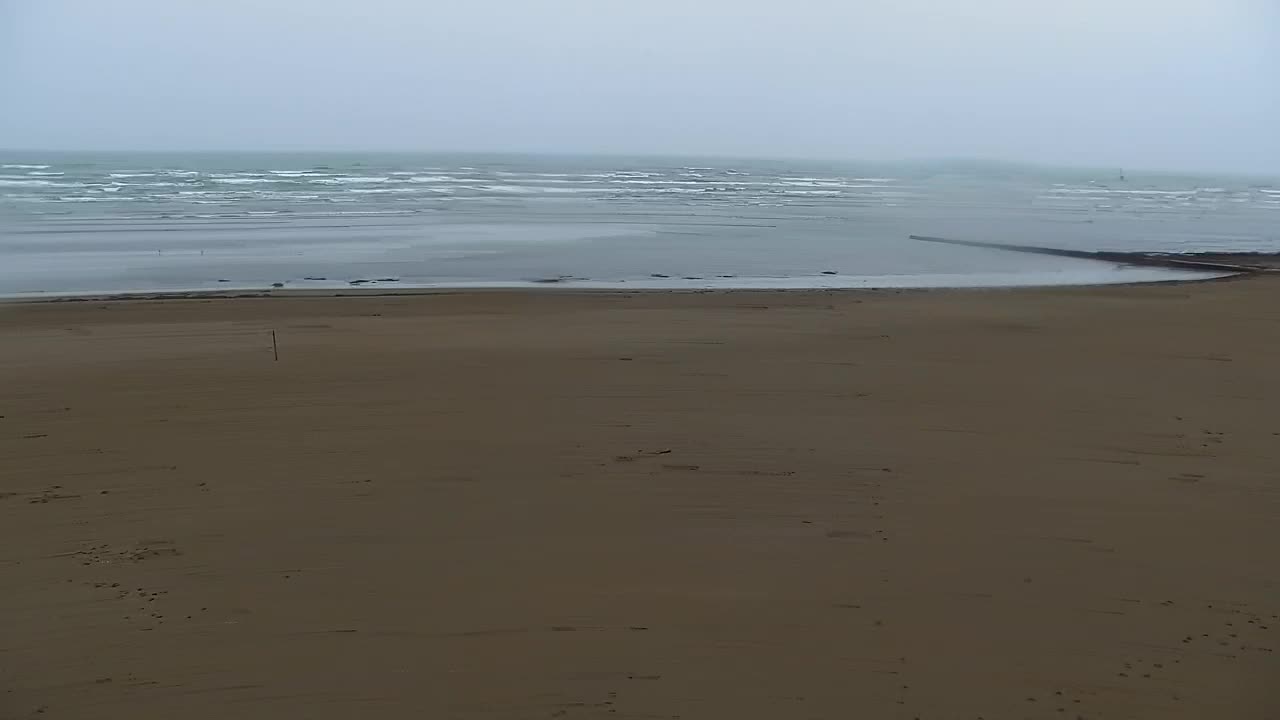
957,504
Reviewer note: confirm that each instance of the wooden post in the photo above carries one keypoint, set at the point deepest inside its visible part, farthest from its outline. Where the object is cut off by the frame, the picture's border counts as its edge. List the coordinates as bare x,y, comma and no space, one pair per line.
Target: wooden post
275,349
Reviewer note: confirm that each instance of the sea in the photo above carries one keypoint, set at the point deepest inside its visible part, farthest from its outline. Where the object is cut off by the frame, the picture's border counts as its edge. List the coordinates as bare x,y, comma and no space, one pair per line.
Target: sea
94,223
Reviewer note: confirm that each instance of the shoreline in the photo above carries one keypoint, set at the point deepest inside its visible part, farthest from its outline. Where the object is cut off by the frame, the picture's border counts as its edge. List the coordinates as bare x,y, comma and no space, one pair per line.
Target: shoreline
998,502
539,287
1161,268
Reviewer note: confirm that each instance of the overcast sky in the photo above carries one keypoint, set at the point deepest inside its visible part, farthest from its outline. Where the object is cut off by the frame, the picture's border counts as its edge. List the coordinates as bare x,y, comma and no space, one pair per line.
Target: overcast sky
1179,84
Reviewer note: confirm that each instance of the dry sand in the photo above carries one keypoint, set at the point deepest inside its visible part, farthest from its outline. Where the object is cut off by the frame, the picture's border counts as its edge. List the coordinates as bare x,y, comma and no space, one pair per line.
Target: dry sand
996,504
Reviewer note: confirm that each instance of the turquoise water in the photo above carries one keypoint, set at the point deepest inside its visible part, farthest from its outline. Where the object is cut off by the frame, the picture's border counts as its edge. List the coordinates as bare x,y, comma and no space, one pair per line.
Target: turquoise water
86,222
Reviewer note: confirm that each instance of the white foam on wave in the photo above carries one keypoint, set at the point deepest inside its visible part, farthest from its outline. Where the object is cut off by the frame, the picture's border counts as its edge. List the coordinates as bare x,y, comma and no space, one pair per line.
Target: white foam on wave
131,175
244,180
824,184
439,179
508,174
24,182
20,166
509,189
344,213
1139,194
1060,190
300,173
572,190
833,181
552,181
351,179
46,173
629,181
526,189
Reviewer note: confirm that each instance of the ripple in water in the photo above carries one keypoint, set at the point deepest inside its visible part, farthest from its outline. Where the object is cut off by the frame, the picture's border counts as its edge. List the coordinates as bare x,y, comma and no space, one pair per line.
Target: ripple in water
76,222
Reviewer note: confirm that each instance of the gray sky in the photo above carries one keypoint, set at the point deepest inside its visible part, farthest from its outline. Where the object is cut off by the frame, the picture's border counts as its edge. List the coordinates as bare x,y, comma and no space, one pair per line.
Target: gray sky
1189,84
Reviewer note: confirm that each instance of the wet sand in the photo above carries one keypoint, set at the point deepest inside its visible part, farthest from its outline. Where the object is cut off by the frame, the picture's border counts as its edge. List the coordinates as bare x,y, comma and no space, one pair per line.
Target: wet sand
997,504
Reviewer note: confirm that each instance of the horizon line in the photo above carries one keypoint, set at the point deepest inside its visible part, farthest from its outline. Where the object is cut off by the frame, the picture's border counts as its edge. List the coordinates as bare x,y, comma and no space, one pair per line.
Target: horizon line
1118,167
